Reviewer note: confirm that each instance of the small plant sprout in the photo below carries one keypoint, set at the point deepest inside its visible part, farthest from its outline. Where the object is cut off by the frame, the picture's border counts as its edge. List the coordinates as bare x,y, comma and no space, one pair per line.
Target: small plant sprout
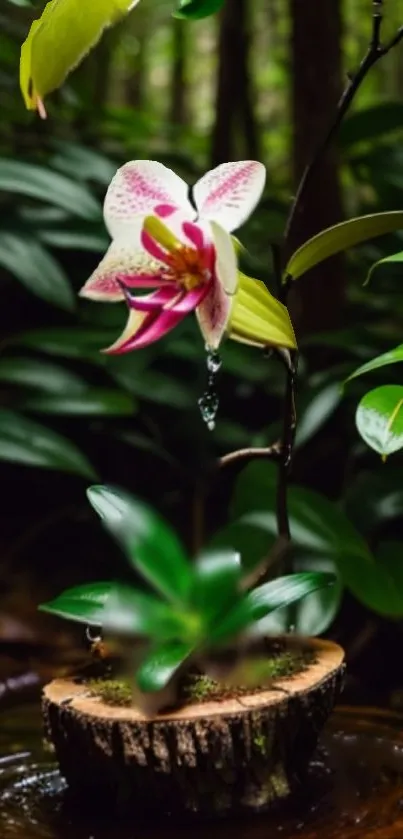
191,610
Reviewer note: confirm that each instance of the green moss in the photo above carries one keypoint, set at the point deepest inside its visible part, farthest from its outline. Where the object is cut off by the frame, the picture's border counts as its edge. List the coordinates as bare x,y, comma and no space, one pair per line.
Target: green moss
260,741
200,688
111,692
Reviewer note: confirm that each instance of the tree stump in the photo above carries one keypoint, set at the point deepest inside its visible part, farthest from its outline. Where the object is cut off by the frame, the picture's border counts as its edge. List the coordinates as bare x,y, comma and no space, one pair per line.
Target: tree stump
214,757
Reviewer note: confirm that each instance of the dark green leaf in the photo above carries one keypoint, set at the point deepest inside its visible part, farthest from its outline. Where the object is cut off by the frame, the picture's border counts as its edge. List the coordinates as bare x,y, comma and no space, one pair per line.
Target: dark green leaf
33,266
276,594
370,123
197,9
217,576
27,442
38,182
161,665
151,546
319,407
85,604
36,373
93,402
379,419
78,343
391,357
396,257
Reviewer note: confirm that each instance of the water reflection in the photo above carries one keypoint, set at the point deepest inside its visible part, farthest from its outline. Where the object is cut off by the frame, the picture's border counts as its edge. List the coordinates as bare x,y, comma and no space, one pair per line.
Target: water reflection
354,789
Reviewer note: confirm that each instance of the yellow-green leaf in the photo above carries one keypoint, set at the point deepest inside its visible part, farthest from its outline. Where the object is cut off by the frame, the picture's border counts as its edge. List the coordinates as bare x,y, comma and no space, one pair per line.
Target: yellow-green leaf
59,40
341,237
257,318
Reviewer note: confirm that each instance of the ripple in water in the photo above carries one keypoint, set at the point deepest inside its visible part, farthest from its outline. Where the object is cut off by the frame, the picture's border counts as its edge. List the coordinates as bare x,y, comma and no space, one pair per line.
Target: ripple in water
354,790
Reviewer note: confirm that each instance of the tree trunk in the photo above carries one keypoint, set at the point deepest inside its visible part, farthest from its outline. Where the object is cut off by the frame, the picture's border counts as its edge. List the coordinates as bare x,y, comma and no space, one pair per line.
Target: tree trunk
178,106
235,131
316,87
208,758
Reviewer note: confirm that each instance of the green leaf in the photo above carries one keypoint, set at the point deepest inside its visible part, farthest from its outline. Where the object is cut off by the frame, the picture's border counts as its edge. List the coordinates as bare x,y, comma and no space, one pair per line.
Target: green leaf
379,419
276,594
314,613
34,181
370,123
340,237
217,576
133,612
317,526
382,590
198,9
36,373
27,442
93,402
374,498
85,604
391,357
36,269
395,258
77,343
151,546
60,39
319,407
161,665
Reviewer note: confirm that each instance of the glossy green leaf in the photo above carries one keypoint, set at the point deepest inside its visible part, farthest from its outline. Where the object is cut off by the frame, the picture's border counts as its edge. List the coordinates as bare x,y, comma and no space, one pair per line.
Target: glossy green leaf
379,419
341,237
136,613
198,9
217,576
59,40
93,402
161,665
150,544
276,594
313,614
41,375
26,442
85,604
391,357
38,182
33,266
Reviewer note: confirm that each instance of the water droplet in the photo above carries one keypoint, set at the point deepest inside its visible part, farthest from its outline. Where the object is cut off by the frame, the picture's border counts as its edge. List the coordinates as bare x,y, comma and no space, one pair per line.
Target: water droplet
213,362
209,402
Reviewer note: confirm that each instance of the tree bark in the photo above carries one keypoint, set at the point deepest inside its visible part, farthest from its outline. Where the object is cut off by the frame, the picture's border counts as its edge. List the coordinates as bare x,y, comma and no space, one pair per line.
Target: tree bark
213,757
235,130
316,87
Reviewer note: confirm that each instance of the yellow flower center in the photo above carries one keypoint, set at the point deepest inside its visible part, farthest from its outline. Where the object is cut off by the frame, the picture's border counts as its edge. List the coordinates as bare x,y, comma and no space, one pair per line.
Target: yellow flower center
186,267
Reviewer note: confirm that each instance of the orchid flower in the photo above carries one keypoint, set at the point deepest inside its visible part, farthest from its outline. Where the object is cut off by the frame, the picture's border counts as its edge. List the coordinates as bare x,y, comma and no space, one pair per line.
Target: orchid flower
183,250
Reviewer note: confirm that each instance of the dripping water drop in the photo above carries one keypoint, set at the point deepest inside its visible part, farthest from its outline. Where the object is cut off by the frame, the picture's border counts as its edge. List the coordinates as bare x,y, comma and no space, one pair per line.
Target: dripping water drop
209,402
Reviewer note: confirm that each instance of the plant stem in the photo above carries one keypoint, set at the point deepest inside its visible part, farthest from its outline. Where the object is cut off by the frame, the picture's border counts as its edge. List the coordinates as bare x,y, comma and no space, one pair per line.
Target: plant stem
289,426
375,52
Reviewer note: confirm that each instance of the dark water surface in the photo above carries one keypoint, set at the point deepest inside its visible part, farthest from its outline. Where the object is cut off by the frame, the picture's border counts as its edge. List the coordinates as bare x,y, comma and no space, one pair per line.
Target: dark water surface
354,789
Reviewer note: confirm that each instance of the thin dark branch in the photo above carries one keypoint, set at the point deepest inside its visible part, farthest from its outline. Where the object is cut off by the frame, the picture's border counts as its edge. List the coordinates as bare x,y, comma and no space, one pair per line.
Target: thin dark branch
289,426
276,260
269,453
376,51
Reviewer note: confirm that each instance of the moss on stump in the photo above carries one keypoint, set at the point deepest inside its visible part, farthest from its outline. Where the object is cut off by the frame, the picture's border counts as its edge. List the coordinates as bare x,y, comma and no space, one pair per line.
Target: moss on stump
239,754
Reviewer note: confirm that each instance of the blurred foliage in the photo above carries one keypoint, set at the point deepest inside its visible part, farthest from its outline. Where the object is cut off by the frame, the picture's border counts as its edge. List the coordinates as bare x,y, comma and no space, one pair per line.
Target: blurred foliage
150,91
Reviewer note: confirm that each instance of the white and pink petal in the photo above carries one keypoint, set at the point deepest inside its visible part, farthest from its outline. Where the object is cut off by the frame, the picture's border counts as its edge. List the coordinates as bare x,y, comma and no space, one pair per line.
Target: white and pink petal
226,261
141,188
122,263
213,314
230,193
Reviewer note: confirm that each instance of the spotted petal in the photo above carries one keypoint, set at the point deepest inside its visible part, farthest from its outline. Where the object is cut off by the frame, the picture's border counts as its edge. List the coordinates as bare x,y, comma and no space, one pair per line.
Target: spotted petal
141,188
125,261
229,193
